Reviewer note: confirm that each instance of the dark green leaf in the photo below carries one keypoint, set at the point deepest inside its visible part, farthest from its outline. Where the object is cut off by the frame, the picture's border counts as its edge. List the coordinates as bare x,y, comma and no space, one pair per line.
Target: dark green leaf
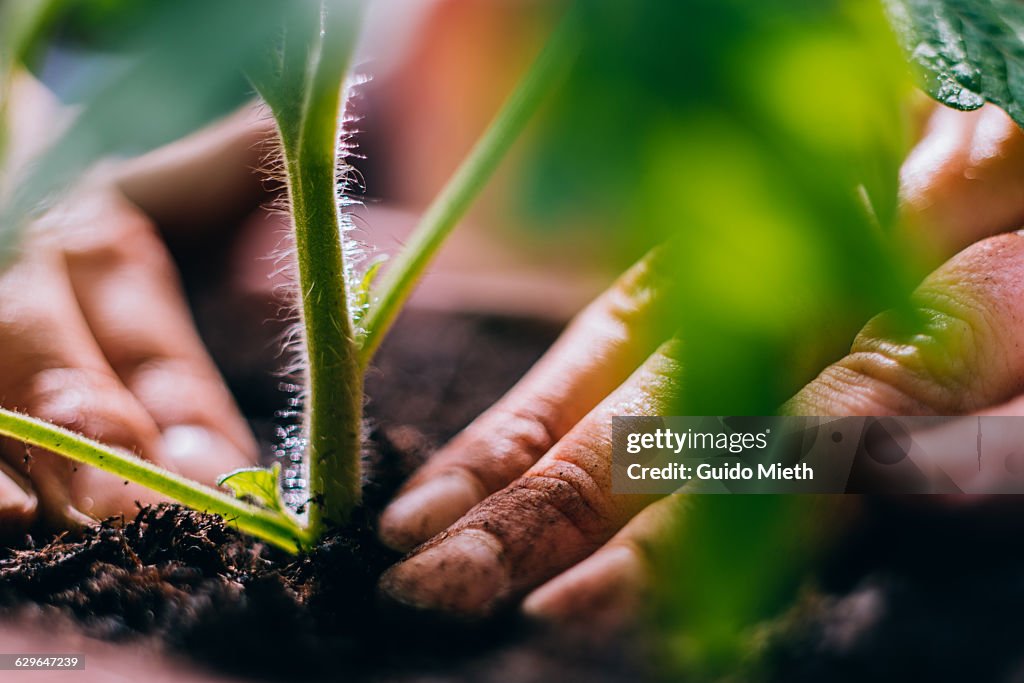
969,51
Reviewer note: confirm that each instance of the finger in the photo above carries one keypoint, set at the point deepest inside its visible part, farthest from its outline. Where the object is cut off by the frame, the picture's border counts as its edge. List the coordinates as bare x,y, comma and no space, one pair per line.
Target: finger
552,517
18,503
208,180
955,352
52,368
609,586
601,347
964,180
128,291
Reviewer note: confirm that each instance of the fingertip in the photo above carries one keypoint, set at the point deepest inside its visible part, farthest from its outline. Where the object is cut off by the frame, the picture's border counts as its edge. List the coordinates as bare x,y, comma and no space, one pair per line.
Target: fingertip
18,504
462,575
606,587
426,510
66,516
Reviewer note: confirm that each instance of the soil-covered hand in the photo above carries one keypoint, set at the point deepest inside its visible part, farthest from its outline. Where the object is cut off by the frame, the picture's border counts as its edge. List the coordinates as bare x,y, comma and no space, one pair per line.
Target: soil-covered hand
520,503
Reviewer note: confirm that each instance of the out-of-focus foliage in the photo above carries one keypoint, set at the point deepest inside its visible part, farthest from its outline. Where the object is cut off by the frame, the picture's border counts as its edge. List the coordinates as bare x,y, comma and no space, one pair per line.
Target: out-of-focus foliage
969,51
761,141
21,22
734,561
175,67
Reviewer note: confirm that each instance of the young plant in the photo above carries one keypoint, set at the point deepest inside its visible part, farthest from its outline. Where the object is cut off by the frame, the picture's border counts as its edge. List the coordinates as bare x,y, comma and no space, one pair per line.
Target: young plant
343,318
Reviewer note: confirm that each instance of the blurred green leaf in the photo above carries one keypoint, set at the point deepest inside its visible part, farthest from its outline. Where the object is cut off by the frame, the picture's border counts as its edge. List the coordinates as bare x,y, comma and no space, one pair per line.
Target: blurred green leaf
21,22
762,142
733,562
969,51
182,66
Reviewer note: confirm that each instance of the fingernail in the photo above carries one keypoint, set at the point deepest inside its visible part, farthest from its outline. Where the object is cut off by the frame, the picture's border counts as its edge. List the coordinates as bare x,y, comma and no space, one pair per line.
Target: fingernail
17,505
425,511
464,575
200,453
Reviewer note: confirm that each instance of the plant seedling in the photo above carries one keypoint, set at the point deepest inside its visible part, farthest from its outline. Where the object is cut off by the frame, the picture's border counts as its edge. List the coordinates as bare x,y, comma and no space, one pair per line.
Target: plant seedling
344,317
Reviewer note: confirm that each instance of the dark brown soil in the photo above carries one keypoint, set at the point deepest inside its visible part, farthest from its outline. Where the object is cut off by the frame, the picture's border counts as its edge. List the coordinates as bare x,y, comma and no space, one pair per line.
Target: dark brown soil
920,592
238,606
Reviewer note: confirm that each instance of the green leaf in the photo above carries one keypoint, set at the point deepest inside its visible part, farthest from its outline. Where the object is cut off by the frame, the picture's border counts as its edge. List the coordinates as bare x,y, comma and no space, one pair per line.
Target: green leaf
281,74
361,296
181,67
969,51
258,483
21,22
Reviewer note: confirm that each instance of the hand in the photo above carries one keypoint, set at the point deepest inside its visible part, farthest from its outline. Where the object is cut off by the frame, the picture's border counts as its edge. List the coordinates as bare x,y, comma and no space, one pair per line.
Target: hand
96,335
520,503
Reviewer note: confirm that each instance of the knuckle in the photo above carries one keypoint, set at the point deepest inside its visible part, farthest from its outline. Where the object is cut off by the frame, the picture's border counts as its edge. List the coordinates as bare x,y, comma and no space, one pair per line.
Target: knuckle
626,303
110,234
90,402
927,356
641,551
151,366
526,432
576,492
660,384
627,307
23,286
495,450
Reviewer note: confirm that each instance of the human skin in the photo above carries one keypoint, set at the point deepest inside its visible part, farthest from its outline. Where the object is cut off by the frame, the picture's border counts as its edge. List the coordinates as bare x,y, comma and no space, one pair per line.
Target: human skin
95,331
518,507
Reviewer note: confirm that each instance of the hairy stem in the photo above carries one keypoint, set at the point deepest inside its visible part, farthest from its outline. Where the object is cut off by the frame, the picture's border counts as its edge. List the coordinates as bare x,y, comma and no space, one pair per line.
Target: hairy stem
274,527
465,185
334,382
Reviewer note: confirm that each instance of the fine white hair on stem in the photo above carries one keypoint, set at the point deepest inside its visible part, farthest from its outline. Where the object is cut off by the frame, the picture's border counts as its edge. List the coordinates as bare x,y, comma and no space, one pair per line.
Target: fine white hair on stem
356,258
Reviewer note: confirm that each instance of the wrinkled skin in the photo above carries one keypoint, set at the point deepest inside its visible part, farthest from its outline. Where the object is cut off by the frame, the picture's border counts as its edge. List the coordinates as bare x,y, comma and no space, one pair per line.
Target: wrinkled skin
519,504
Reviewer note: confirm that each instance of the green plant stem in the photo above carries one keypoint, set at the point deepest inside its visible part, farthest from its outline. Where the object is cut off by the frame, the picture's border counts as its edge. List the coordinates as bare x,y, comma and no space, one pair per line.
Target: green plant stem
465,185
276,528
334,383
